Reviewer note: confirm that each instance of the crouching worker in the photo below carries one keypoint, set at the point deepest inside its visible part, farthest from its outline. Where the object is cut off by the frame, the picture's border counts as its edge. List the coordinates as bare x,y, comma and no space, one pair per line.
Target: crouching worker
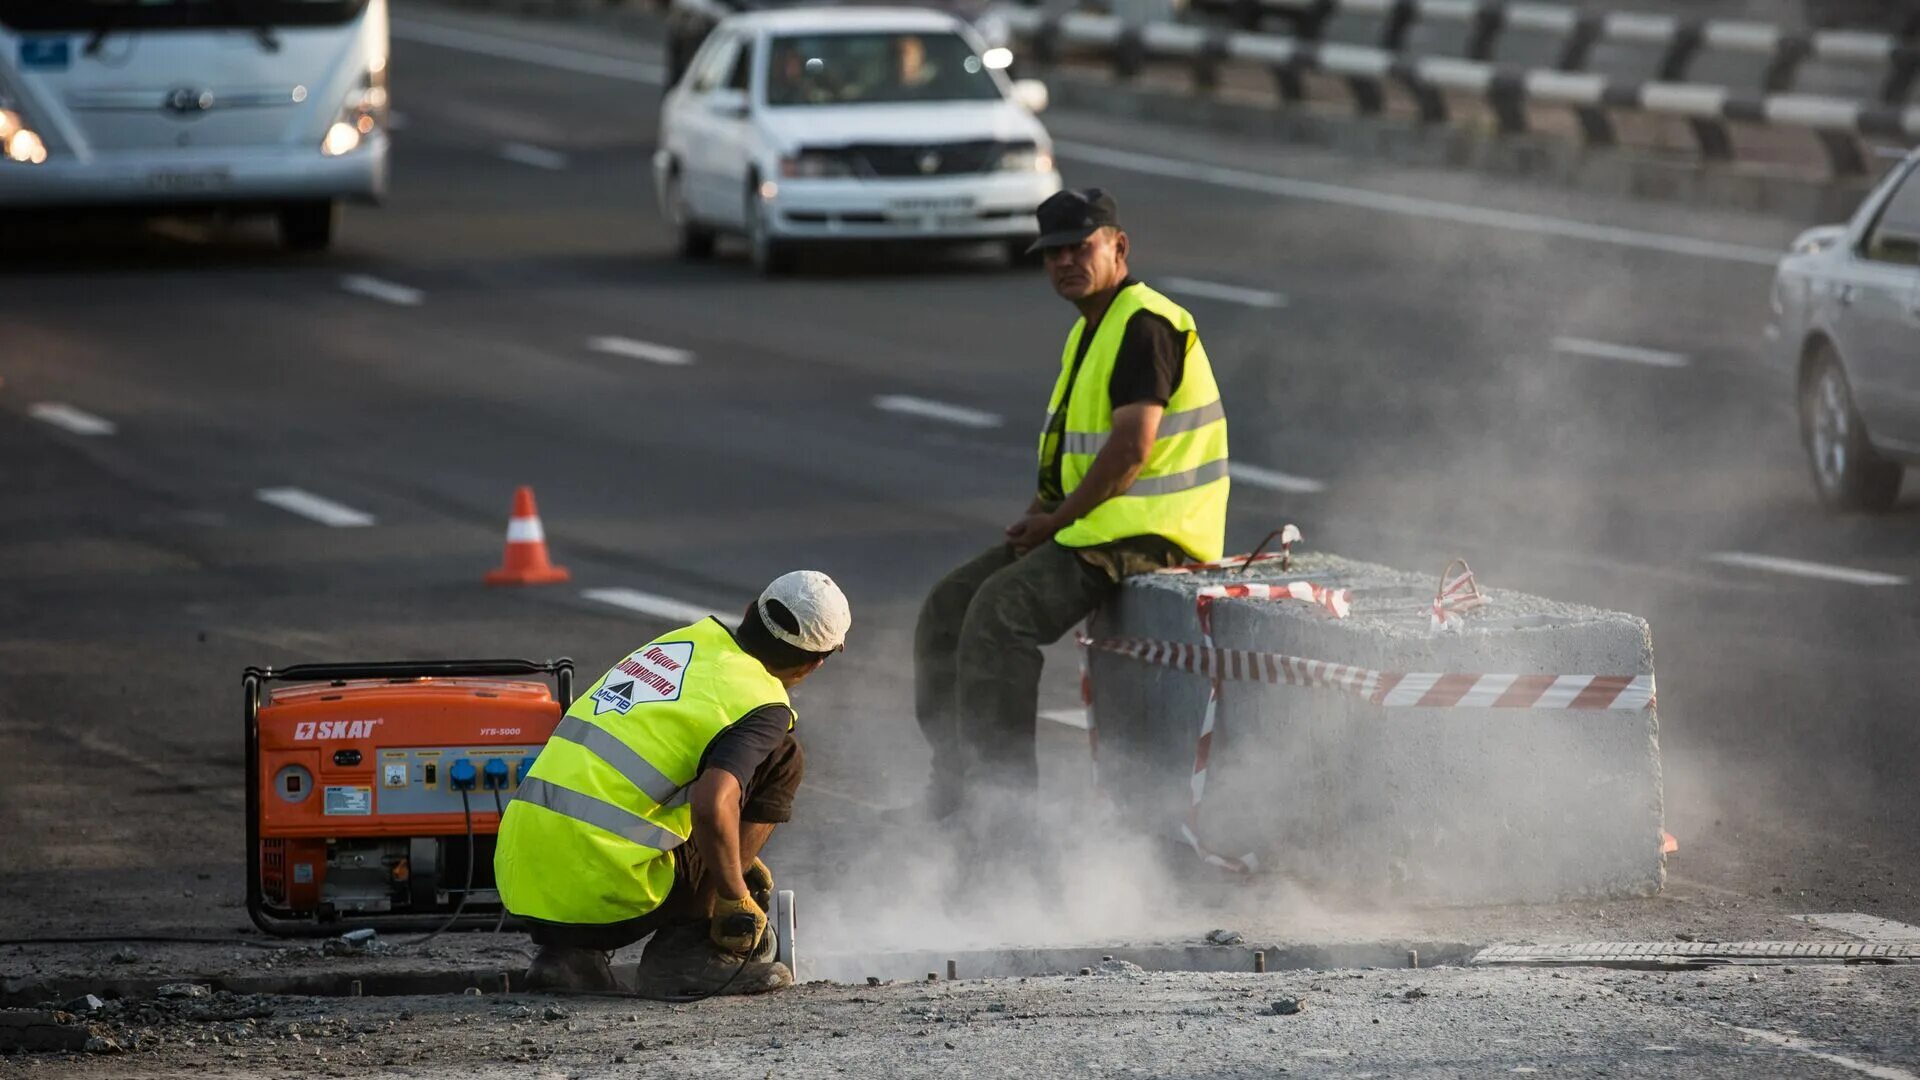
646,811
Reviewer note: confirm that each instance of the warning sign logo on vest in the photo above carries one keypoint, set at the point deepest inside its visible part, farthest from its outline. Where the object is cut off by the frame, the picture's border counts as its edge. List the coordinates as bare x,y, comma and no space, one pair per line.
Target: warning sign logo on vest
646,675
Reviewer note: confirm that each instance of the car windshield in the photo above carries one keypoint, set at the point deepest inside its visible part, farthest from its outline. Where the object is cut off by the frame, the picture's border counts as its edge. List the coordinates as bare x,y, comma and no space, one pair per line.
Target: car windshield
875,68
80,15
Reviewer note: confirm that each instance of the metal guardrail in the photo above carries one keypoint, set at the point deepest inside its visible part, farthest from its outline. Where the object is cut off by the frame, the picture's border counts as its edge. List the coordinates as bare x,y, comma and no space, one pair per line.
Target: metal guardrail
1680,39
1837,122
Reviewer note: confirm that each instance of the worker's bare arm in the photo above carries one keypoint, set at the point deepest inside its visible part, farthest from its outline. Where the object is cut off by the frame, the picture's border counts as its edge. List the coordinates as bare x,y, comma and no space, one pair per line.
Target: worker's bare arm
1135,427
715,801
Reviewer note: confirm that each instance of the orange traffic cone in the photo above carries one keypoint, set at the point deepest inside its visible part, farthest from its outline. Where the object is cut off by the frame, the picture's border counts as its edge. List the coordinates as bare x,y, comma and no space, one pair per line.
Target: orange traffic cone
525,562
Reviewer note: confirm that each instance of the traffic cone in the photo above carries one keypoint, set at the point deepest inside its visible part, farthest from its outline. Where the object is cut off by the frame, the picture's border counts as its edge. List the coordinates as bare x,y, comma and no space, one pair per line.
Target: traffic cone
525,562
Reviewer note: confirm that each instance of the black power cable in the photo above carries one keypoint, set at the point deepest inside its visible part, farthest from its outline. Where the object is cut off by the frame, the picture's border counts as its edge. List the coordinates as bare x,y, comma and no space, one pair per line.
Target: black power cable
466,808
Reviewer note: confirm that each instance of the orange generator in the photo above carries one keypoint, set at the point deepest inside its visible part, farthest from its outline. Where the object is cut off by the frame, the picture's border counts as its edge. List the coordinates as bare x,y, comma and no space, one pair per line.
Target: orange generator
374,791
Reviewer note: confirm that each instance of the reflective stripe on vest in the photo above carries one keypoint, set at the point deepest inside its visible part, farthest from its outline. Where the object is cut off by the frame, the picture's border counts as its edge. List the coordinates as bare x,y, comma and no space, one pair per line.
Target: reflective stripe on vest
1173,423
601,815
1192,478
638,770
1181,490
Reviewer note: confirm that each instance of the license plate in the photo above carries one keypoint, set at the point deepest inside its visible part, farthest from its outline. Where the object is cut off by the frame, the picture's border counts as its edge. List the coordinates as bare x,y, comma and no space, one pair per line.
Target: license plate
926,207
184,181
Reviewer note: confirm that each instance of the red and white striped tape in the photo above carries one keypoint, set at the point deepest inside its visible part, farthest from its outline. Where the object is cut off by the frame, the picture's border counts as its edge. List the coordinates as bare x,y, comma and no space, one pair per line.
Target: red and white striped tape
1338,602
1455,595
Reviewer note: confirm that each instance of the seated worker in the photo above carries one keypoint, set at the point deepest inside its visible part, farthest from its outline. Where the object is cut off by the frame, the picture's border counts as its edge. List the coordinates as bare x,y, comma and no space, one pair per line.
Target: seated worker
646,811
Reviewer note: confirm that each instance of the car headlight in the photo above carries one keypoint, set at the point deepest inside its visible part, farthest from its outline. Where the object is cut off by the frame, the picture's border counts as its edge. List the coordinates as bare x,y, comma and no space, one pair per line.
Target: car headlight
1025,159
18,142
814,165
364,110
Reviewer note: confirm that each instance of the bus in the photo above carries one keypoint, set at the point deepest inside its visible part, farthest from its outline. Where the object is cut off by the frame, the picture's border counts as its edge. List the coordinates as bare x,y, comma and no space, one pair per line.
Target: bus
235,107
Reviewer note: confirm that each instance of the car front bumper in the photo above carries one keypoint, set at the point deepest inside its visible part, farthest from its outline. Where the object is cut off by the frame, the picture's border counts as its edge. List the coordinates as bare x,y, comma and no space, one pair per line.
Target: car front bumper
204,177
985,206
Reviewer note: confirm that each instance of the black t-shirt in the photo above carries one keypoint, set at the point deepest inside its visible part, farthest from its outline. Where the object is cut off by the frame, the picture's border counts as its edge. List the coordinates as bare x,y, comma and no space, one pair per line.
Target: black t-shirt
1148,366
746,745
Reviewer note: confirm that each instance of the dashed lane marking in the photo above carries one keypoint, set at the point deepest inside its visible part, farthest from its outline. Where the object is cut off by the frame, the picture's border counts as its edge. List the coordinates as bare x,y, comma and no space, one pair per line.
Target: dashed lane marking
937,410
1632,354
1415,206
383,290
68,418
530,52
1273,479
1776,564
1232,294
1073,718
641,350
660,607
537,156
1802,1046
314,508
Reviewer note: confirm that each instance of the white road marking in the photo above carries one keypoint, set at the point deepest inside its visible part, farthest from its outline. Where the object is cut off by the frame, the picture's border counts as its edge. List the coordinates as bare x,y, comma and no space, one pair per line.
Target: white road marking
661,607
537,156
313,507
1869,928
62,415
640,350
383,290
1073,718
530,52
937,410
1273,479
1232,294
1415,206
1801,568
1606,350
1802,1046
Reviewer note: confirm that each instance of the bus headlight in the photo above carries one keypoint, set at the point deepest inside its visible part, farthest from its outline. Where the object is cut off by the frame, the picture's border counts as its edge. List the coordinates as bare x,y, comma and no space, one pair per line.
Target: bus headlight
18,142
364,110
341,138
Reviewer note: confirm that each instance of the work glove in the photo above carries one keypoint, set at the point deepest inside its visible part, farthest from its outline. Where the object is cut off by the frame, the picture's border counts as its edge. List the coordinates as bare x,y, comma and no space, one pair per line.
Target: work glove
737,925
759,880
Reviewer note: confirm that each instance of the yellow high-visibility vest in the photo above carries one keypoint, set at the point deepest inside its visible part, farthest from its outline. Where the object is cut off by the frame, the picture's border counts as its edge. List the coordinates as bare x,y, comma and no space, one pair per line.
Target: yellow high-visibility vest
1181,493
590,834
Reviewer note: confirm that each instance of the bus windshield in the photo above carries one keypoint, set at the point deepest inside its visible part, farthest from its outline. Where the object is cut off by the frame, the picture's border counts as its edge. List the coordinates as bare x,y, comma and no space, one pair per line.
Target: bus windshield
82,15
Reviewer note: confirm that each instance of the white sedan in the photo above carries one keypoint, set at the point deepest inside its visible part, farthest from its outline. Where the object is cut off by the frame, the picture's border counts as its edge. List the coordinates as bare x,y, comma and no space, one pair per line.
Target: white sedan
810,125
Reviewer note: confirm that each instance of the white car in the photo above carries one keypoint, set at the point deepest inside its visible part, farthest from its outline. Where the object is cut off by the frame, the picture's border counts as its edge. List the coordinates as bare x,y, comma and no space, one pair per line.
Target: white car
848,124
1846,327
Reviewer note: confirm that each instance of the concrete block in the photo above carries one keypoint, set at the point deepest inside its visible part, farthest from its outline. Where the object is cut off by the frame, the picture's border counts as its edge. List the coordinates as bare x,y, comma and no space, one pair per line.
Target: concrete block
40,1031
1421,805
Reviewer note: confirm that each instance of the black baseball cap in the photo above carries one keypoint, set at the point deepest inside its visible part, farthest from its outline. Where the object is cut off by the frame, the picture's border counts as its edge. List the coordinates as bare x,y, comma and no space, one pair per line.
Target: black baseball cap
1069,217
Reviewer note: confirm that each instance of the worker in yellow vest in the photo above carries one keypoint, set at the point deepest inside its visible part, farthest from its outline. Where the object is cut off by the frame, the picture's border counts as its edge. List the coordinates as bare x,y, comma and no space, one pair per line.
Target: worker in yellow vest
646,810
1132,478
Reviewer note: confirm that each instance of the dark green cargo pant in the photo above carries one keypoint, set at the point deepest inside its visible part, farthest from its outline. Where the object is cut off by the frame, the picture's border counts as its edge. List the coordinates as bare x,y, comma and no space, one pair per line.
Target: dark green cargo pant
976,652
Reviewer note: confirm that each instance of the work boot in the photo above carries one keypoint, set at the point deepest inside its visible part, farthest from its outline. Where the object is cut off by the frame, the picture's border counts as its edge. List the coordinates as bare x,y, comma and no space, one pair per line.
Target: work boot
680,963
558,967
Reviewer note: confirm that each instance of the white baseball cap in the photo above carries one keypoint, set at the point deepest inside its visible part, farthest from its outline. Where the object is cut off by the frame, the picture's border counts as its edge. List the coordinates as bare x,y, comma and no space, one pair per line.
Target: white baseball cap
816,603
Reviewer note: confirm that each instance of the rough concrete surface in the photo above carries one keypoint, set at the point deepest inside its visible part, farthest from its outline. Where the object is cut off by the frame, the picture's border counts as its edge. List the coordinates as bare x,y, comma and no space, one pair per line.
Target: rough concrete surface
1120,1022
1460,805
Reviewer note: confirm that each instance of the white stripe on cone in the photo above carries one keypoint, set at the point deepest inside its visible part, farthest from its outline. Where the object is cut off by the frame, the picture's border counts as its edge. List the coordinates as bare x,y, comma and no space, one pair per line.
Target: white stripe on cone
525,530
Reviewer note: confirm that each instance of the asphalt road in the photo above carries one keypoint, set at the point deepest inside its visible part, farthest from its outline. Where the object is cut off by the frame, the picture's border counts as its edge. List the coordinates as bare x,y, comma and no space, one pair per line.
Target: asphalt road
1423,365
